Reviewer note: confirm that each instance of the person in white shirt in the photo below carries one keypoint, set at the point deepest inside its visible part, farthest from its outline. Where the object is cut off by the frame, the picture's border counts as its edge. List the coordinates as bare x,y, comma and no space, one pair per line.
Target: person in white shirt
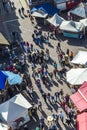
61,116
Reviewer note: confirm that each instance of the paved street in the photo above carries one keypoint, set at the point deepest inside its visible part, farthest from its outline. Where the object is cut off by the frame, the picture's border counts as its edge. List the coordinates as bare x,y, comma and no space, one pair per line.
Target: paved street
23,25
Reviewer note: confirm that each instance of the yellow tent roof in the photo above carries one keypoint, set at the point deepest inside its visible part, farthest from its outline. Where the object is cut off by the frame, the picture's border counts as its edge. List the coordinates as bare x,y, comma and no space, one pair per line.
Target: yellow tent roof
3,40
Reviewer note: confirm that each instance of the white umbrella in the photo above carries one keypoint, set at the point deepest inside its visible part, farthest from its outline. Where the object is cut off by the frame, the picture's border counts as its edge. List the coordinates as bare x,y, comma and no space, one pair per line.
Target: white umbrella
76,76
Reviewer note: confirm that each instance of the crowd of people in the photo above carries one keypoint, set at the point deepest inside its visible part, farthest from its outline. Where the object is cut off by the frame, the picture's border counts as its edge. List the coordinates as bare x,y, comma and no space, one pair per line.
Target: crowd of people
38,61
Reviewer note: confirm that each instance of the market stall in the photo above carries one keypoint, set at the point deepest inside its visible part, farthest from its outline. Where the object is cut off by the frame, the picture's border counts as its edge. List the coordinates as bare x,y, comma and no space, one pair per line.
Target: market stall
4,126
8,78
80,97
82,121
40,15
48,8
17,105
40,12
84,22
79,12
72,29
66,4
80,58
56,20
76,76
13,78
3,78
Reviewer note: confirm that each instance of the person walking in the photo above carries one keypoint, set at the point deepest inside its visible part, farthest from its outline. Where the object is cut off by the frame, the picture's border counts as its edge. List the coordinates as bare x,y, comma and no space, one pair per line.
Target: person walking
30,91
51,76
39,106
68,121
67,52
19,10
61,93
55,65
52,98
63,104
61,116
67,99
44,96
56,96
55,73
22,9
48,96
58,48
60,56
71,55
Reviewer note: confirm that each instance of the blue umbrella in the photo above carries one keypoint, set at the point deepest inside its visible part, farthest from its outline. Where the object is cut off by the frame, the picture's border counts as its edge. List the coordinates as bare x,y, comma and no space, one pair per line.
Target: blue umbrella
13,78
3,78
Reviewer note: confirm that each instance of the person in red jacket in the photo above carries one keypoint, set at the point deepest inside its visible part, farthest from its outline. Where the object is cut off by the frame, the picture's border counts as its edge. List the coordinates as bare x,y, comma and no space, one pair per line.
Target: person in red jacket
63,104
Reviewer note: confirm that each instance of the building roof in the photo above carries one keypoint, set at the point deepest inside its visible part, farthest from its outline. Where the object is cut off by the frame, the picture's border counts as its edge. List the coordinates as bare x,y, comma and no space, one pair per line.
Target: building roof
3,40
80,97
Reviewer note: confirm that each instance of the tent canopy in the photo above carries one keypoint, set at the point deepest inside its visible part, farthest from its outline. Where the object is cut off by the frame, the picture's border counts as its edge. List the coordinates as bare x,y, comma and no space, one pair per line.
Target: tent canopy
40,14
56,20
3,127
82,121
71,26
76,76
3,40
3,78
80,97
84,22
80,58
13,78
17,105
80,11
48,8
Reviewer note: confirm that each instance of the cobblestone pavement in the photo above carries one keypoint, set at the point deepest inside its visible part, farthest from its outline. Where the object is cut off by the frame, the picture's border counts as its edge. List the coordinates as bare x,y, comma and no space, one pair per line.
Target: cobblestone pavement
24,26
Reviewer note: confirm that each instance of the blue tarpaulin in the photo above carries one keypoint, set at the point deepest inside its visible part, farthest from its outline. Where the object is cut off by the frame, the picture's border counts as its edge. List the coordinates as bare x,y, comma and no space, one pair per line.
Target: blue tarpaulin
2,80
48,8
13,78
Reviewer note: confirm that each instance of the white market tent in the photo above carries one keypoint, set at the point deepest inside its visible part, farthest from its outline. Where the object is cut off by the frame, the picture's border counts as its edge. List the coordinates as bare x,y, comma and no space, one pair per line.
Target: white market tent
56,20
80,58
4,126
71,26
40,14
80,11
13,108
84,22
76,76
